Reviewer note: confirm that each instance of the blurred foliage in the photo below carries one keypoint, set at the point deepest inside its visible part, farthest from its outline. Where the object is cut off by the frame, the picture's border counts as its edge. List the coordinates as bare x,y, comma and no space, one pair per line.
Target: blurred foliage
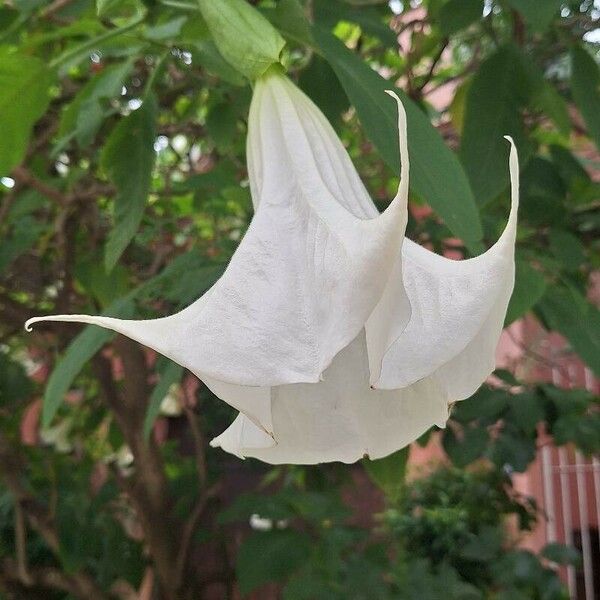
123,190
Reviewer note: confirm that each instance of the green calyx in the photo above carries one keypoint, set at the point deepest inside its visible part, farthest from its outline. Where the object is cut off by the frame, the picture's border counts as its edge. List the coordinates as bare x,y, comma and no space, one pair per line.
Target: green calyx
243,36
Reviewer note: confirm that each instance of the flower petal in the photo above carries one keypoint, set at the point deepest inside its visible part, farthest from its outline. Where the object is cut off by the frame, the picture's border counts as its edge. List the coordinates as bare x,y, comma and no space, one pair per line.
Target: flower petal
458,310
339,419
307,274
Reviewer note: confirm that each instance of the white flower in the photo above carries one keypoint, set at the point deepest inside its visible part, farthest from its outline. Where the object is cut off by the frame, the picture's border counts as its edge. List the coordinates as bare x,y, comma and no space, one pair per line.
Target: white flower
333,335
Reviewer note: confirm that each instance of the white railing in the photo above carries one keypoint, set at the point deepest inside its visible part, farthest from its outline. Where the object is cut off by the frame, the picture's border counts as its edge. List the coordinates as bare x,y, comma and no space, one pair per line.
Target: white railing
571,504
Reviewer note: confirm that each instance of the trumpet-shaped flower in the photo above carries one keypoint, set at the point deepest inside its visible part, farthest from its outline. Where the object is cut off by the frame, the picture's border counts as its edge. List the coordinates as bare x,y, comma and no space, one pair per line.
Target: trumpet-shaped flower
332,335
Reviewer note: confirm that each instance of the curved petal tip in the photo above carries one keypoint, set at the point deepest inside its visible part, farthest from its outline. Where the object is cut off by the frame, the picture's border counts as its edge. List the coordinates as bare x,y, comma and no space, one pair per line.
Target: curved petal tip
30,322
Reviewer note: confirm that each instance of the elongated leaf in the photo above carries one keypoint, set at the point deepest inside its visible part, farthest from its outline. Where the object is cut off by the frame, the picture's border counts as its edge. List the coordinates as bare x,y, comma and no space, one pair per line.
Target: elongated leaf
79,352
568,312
542,93
435,172
585,83
84,115
24,84
170,374
245,38
388,473
289,18
492,111
128,158
320,83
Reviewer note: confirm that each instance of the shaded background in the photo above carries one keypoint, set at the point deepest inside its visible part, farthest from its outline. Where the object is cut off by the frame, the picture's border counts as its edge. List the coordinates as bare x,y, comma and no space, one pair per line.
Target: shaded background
124,190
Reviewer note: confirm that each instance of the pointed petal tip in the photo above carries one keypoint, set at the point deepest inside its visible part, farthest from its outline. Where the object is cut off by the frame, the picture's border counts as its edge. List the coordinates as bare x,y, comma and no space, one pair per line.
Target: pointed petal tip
60,318
28,324
397,98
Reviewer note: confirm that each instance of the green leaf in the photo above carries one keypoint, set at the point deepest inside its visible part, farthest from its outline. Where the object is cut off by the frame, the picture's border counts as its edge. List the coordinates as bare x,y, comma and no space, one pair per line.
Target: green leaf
581,430
567,248
170,373
561,554
542,193
370,19
245,39
585,85
118,9
468,448
288,16
527,411
537,13
543,95
221,125
105,287
128,158
79,352
270,556
75,54
196,35
486,406
24,97
570,169
568,312
436,174
512,447
25,233
456,15
492,111
85,114
206,53
319,82
15,386
530,286
549,101
166,30
388,473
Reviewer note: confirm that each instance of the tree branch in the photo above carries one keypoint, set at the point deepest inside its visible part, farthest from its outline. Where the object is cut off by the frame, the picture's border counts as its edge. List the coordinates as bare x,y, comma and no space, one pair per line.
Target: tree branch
25,177
434,63
79,584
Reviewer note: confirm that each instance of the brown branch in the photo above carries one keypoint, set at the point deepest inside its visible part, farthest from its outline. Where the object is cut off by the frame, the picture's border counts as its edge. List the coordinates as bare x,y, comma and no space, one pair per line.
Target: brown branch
199,444
79,584
6,205
547,362
518,28
25,177
54,7
11,468
434,63
21,545
189,530
148,489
